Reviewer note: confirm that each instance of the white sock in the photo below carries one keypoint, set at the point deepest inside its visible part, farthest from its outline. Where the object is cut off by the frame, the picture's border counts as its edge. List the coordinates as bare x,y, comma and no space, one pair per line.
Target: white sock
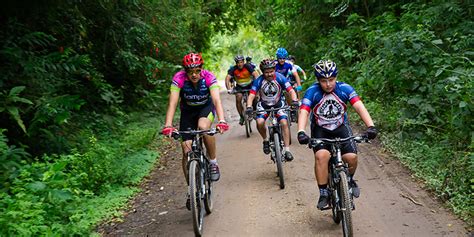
287,148
265,139
213,161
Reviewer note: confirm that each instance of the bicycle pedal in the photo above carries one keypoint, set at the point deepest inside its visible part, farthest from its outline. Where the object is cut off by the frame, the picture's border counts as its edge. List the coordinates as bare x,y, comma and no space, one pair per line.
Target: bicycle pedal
325,208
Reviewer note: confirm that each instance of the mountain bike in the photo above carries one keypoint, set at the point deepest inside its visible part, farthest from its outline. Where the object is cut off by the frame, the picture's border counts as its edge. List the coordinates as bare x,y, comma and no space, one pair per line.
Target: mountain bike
276,141
247,119
199,175
340,198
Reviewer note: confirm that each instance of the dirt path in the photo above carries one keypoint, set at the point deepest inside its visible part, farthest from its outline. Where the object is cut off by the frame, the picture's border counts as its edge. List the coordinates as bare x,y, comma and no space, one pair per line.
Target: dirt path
249,202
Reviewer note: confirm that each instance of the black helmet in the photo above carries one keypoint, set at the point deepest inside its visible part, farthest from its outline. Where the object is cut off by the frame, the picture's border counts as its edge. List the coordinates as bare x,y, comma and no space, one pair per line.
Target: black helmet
291,57
238,58
267,63
248,58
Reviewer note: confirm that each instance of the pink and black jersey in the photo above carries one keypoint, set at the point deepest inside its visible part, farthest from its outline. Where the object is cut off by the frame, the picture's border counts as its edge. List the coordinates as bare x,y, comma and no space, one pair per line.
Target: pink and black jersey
270,92
329,109
194,96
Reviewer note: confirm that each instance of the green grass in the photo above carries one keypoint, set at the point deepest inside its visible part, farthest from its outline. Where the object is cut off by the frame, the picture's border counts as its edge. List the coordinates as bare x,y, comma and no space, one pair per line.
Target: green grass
71,194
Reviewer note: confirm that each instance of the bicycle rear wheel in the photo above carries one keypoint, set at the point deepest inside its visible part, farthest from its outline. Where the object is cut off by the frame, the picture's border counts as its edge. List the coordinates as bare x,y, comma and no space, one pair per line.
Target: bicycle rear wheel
195,196
346,205
279,159
208,204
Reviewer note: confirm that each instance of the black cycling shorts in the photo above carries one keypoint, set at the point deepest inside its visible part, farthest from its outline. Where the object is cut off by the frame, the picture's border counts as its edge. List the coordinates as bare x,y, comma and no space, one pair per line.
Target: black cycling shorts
190,117
342,131
240,88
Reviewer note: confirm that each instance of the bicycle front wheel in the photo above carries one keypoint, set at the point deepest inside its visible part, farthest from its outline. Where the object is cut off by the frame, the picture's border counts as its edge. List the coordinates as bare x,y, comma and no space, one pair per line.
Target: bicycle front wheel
279,159
208,204
335,193
195,196
248,130
346,204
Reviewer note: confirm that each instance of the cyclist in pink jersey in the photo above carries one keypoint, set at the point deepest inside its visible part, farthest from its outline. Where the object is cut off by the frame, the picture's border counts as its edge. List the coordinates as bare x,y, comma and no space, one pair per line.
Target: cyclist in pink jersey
198,93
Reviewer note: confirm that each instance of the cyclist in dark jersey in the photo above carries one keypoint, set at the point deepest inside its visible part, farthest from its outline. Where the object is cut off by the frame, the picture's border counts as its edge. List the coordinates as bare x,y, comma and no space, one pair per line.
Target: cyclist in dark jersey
248,60
325,101
197,91
270,86
243,74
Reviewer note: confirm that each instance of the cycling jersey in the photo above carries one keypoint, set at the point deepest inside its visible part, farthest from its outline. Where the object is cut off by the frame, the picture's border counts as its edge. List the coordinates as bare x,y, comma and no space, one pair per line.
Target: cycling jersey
253,65
329,109
297,69
194,96
270,92
286,69
243,76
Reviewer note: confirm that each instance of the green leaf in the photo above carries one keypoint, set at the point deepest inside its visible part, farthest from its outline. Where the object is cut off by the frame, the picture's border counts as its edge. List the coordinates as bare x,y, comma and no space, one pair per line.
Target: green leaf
414,101
462,104
16,116
16,90
36,186
439,71
60,195
438,41
23,100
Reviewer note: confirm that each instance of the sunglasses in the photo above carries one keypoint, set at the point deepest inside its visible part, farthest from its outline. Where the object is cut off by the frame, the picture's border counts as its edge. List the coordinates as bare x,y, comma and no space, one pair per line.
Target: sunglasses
193,71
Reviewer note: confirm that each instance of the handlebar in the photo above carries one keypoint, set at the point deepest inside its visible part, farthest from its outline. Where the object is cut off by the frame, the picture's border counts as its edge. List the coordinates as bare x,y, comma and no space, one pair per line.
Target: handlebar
178,134
313,142
286,107
234,91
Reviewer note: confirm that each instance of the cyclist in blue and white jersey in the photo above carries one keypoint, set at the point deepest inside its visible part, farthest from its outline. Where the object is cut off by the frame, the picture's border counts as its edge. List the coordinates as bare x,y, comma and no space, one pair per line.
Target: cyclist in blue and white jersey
298,70
286,68
270,86
325,101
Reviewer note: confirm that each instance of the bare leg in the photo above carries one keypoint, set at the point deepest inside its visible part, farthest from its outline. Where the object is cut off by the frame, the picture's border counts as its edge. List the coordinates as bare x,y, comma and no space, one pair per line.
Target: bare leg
286,132
185,147
351,159
238,103
261,128
321,166
209,141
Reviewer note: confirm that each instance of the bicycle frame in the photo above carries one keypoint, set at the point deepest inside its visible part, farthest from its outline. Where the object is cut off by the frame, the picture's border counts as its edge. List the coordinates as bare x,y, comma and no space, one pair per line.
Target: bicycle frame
341,201
276,141
200,183
243,102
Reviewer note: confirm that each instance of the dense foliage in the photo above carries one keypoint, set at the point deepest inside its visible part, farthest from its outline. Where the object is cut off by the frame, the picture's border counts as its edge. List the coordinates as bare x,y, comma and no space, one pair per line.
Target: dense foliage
81,86
413,65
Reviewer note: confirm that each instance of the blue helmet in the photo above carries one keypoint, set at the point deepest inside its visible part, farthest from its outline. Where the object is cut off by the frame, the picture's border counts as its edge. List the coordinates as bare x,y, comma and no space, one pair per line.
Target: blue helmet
325,69
281,53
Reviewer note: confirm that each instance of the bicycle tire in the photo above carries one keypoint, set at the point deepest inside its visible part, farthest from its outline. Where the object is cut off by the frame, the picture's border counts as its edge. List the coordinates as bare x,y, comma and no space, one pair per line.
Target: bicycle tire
250,125
195,196
279,159
335,207
346,205
247,126
208,203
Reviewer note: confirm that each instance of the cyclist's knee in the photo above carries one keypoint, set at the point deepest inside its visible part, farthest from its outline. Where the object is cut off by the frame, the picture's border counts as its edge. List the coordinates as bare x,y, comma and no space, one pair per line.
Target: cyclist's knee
322,155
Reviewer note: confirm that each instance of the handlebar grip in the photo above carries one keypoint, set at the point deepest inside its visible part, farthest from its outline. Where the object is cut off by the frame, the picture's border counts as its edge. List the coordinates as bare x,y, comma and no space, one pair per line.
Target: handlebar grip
175,135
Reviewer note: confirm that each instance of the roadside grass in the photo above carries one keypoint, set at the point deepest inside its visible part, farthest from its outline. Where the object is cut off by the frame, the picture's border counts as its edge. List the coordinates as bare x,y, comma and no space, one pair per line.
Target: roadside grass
443,169
71,194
